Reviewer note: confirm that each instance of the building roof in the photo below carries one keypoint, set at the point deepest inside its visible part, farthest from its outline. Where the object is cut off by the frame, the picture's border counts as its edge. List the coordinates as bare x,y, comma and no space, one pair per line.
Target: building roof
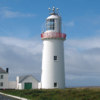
53,17
2,70
22,78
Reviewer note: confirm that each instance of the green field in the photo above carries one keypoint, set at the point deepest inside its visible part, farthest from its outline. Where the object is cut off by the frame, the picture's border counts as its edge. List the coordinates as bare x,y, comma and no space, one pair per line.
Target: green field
58,94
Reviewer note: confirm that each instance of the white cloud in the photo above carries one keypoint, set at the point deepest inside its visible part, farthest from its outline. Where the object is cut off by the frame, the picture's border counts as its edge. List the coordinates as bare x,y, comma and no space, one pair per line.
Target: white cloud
5,12
21,56
85,43
82,59
70,24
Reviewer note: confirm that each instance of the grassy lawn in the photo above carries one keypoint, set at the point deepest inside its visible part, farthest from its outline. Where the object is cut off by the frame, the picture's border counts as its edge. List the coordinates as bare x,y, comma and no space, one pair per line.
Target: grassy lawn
58,94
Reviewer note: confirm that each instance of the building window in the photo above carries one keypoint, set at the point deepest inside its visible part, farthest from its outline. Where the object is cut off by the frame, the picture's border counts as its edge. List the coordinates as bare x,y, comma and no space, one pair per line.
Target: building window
1,83
55,57
1,76
55,84
50,24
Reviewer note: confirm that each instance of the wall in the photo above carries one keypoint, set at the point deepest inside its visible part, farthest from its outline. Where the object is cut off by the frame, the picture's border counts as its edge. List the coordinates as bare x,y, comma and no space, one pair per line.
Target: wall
53,70
12,85
4,80
31,80
27,80
39,85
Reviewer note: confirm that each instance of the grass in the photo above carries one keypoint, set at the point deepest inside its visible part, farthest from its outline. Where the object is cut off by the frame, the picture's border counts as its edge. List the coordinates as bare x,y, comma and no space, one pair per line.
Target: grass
58,94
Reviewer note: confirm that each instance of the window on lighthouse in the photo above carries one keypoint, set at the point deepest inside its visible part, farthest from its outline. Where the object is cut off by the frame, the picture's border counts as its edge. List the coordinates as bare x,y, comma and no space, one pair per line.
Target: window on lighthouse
50,25
55,57
55,84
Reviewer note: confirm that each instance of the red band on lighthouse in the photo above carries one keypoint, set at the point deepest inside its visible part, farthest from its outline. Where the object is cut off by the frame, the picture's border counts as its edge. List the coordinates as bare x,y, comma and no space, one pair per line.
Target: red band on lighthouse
50,35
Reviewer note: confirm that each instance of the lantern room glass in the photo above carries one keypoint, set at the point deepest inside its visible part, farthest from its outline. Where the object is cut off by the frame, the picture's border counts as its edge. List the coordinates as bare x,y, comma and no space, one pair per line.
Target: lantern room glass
50,24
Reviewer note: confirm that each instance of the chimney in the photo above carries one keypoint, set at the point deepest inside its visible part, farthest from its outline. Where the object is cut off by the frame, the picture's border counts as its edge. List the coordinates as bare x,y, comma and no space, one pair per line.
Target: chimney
7,70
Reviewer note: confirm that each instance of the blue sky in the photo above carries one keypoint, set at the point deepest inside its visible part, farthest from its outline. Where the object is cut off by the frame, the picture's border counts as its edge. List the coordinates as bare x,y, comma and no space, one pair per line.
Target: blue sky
24,19
21,24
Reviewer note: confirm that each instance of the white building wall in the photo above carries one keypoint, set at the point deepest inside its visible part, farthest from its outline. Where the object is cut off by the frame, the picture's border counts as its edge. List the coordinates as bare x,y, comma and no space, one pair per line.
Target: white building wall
39,85
30,80
4,80
17,82
12,85
53,71
19,86
27,80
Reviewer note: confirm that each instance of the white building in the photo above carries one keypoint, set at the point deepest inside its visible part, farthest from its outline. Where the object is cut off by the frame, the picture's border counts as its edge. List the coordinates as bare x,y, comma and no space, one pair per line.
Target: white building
4,82
53,74
3,78
27,82
22,82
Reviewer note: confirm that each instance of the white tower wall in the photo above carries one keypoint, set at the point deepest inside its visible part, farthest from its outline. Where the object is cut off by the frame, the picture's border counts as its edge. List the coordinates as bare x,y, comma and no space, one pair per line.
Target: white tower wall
53,75
53,70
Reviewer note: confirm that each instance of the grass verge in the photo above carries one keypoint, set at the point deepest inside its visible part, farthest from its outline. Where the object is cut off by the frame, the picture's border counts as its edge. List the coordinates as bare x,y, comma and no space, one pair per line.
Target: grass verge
58,94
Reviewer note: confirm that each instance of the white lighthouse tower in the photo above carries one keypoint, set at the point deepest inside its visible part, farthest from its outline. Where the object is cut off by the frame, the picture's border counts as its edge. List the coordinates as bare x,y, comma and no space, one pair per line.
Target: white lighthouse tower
53,74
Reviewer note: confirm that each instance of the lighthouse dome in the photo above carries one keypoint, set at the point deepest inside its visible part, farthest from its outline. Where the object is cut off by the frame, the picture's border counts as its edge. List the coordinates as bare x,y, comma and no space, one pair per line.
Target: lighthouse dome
53,17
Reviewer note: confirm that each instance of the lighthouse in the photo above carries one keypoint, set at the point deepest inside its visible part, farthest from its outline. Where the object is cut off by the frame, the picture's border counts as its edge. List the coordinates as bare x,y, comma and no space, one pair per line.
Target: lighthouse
53,73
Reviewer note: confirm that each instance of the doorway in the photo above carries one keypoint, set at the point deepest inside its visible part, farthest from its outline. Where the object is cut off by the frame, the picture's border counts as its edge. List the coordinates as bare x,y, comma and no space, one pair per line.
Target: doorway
27,85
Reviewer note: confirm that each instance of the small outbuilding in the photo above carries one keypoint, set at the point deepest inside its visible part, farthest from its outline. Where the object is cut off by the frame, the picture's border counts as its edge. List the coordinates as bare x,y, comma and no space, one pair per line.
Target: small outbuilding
27,82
